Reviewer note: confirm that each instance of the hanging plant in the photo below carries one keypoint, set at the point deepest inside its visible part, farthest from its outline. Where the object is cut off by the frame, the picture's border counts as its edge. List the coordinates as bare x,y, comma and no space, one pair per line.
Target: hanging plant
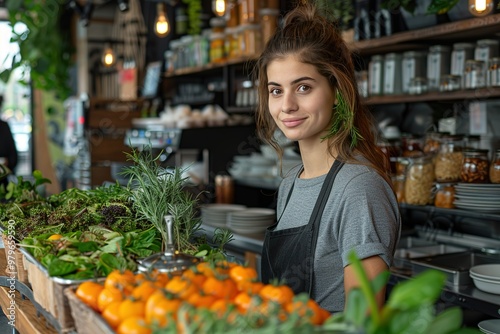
44,48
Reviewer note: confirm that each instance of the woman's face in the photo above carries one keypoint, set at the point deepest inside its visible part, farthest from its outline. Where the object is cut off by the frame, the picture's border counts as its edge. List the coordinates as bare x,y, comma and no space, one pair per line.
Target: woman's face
300,99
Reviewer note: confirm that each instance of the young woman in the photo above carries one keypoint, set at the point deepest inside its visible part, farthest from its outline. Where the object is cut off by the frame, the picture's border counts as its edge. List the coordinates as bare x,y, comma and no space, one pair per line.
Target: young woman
340,199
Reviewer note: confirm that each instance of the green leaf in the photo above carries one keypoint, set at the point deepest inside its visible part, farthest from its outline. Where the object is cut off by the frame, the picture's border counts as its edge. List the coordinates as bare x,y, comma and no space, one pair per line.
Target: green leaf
447,321
411,321
108,262
58,267
88,246
356,308
424,288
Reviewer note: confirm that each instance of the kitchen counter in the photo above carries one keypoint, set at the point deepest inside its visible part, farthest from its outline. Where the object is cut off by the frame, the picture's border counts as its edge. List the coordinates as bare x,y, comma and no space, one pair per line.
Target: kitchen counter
466,296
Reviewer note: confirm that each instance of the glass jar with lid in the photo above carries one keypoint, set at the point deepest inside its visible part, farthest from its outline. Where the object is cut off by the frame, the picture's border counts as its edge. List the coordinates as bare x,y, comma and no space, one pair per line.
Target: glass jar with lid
392,73
419,181
494,72
445,195
448,162
438,64
432,142
474,74
495,167
375,75
475,167
268,22
412,146
461,52
486,49
413,65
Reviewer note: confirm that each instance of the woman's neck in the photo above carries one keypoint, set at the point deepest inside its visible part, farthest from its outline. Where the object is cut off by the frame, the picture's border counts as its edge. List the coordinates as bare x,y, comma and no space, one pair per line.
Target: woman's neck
316,158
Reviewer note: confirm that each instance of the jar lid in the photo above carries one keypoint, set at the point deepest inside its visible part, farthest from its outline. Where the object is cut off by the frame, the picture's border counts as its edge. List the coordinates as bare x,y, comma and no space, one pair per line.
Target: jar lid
392,55
470,152
459,46
482,42
411,54
377,57
439,48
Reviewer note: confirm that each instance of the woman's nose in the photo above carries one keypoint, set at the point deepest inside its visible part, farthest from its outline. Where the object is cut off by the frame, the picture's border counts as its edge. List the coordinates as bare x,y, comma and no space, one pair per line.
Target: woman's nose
289,104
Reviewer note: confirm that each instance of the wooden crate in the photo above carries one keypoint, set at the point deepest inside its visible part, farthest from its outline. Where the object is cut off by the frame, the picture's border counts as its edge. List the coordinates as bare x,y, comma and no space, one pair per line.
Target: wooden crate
14,257
48,292
87,321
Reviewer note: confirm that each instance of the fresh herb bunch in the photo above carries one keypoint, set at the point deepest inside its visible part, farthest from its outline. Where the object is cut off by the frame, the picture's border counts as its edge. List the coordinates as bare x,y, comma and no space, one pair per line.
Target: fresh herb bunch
157,191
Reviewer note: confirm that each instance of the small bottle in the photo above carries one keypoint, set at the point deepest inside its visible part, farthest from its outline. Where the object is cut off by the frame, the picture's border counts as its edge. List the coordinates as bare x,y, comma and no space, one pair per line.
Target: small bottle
495,167
475,167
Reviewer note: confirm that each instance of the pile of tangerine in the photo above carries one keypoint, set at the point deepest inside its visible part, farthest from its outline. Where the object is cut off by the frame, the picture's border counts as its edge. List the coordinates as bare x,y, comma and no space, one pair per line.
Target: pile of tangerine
137,303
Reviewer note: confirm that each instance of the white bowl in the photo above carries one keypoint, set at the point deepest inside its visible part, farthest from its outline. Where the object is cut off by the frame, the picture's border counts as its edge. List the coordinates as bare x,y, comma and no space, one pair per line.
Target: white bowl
486,271
486,285
490,326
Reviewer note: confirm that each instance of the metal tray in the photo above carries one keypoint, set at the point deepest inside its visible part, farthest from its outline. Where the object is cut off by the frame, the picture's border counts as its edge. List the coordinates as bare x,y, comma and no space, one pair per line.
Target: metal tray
455,265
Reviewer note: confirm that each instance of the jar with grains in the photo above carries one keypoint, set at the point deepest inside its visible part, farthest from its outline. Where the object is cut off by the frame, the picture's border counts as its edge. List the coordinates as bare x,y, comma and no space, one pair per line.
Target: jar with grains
431,142
475,167
495,167
419,181
448,162
445,195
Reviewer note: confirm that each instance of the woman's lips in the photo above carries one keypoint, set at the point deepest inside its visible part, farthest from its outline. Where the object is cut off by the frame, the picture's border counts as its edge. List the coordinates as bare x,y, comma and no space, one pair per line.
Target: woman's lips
291,123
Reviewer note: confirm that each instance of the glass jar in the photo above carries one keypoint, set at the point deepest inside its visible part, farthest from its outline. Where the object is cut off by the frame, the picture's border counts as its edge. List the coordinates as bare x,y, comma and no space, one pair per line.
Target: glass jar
475,167
472,141
268,22
495,167
474,74
392,73
392,150
445,195
232,43
486,49
217,48
249,11
398,182
432,142
448,162
419,181
412,146
494,72
461,52
413,66
449,83
438,64
418,86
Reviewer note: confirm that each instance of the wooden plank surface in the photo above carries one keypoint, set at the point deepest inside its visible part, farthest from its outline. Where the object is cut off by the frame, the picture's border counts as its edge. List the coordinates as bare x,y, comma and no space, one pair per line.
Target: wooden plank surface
26,319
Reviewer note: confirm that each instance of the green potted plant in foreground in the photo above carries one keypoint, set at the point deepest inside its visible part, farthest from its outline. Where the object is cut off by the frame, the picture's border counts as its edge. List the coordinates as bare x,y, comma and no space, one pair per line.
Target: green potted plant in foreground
410,308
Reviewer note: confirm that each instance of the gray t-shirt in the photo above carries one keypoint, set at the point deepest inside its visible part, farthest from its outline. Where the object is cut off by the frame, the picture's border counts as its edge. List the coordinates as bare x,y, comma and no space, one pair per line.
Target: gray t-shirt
362,214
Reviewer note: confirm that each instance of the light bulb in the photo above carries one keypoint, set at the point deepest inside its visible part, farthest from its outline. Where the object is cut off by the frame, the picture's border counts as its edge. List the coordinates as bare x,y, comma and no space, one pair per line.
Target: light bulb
219,7
108,56
480,7
162,27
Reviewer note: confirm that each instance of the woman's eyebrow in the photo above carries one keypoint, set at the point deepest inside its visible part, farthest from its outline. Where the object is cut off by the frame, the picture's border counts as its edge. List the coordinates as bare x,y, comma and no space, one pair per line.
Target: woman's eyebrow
293,82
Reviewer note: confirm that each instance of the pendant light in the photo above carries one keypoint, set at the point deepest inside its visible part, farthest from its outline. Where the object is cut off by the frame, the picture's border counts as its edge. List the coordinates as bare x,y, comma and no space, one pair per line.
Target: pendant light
162,26
108,56
480,7
219,7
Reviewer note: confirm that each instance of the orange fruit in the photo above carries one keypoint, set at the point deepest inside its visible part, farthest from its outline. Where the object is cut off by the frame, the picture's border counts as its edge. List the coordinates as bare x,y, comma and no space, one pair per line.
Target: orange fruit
111,314
132,308
107,296
55,237
133,325
88,292
159,305
121,280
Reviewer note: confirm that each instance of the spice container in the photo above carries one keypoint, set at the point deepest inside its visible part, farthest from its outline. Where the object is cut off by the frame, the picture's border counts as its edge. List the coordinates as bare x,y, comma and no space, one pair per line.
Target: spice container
392,74
419,181
494,72
448,162
475,167
461,52
474,74
438,64
445,195
449,83
375,75
495,167
413,66
268,22
418,86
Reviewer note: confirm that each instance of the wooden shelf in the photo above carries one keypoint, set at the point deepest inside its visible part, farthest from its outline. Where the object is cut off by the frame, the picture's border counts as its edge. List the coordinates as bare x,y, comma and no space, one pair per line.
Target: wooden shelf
209,67
420,38
470,95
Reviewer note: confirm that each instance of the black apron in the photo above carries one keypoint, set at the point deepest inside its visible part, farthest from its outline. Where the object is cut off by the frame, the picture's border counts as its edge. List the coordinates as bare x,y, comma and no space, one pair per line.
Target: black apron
288,255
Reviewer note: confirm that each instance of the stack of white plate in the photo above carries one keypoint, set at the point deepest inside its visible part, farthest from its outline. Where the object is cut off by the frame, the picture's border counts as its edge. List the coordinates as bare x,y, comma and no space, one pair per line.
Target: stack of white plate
484,197
491,326
486,277
251,221
217,214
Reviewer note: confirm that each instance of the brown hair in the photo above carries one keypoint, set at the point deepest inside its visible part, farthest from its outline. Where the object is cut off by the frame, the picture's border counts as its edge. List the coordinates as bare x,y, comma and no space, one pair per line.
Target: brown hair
315,40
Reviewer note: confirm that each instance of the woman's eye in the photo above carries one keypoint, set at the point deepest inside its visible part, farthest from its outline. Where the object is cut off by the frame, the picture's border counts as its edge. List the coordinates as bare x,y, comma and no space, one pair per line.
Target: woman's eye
303,88
274,91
